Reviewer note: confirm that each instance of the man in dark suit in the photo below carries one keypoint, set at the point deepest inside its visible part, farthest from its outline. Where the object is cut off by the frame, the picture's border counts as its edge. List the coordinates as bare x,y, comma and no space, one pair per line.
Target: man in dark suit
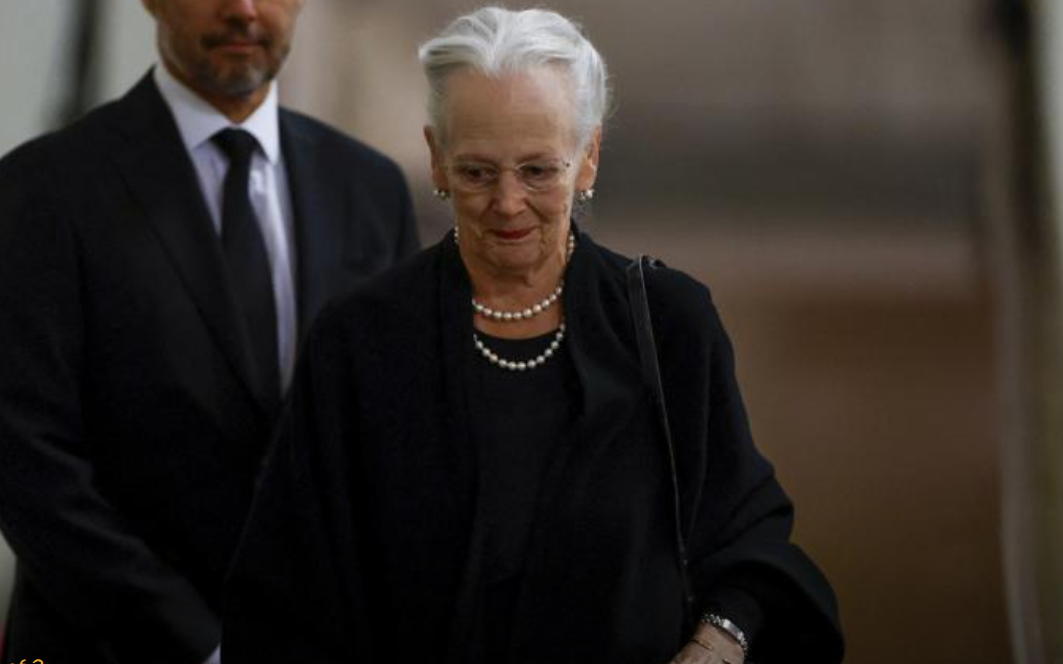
159,261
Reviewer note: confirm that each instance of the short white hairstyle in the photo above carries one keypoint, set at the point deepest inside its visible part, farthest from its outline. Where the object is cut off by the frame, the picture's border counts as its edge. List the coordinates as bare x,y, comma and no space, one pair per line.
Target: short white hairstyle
496,41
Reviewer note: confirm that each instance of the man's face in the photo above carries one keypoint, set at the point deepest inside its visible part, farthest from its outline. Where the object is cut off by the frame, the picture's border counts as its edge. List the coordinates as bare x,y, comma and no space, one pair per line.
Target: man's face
225,48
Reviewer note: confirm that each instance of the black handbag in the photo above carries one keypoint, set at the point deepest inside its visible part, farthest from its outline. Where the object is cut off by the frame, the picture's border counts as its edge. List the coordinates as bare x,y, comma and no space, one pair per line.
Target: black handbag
651,373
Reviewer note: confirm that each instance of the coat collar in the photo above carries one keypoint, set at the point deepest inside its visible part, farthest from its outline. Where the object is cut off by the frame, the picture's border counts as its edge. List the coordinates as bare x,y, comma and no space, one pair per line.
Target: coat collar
318,194
602,340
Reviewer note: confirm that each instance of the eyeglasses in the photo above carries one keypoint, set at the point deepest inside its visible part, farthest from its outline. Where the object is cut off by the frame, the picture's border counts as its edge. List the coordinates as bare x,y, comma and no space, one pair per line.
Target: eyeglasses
538,175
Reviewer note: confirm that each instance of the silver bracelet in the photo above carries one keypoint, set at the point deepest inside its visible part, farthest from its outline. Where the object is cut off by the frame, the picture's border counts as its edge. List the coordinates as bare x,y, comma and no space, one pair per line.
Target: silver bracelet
729,628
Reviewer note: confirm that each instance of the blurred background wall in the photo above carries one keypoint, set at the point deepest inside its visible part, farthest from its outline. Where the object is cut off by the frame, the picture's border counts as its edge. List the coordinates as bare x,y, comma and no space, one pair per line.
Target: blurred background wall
836,170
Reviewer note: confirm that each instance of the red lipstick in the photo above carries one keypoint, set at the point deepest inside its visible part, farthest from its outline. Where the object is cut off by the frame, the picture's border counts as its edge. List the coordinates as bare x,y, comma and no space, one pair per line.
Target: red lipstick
512,235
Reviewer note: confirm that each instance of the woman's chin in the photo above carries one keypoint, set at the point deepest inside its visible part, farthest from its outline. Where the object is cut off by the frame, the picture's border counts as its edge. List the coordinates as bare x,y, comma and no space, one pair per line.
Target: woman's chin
516,257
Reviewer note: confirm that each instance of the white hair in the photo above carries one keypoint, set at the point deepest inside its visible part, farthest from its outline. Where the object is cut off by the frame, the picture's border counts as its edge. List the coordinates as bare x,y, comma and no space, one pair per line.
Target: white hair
496,41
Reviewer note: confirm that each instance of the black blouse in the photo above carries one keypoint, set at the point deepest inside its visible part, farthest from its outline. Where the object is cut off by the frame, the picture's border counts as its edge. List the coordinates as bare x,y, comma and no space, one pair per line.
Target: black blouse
526,415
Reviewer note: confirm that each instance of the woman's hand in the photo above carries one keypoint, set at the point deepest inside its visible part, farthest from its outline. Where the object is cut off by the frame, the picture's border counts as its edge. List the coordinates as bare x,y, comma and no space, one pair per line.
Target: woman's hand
710,645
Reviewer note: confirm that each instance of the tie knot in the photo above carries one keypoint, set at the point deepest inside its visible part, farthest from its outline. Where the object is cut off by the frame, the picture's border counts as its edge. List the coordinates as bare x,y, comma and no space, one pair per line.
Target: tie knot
237,144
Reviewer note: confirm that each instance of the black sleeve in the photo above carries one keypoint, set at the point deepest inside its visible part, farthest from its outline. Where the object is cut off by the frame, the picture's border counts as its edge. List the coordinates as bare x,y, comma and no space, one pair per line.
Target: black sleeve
72,545
738,603
292,593
747,569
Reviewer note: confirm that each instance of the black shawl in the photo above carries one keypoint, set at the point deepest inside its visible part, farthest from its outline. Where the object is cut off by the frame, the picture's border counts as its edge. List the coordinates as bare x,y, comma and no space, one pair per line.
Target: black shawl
363,544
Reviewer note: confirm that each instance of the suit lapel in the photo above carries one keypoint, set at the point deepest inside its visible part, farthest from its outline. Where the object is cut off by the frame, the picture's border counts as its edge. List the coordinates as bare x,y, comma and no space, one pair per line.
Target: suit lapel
318,218
162,179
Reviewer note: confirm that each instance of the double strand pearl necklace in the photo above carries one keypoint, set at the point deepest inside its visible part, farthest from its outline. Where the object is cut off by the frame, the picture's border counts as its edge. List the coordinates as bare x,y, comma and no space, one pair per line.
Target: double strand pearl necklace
531,312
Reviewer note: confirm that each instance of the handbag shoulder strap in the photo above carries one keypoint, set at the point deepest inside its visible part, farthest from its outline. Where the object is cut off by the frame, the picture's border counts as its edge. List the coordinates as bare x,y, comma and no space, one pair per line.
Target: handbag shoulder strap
651,372
640,312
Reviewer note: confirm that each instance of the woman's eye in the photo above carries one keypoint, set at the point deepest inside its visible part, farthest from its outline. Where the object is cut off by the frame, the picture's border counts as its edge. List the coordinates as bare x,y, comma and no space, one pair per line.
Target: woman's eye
537,172
476,173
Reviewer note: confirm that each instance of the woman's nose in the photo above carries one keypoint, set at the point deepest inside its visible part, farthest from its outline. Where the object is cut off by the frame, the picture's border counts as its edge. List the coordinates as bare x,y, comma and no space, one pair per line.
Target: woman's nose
509,194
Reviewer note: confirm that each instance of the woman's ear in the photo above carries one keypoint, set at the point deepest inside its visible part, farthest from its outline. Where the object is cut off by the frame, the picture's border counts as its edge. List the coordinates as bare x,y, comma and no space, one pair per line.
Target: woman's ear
439,168
588,164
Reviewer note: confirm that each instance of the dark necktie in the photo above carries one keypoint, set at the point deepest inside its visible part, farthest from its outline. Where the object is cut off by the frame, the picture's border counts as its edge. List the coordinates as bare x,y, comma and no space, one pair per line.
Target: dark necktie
246,258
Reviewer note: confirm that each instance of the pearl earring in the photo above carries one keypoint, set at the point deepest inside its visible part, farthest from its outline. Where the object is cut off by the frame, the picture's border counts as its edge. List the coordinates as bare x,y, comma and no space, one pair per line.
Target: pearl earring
585,195
441,194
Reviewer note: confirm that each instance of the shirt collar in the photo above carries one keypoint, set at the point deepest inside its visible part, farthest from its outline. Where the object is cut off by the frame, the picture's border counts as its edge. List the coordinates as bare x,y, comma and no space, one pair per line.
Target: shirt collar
197,121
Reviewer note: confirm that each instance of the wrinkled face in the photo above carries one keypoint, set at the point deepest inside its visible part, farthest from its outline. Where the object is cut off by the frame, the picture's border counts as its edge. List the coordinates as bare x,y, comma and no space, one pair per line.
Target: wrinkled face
224,48
500,124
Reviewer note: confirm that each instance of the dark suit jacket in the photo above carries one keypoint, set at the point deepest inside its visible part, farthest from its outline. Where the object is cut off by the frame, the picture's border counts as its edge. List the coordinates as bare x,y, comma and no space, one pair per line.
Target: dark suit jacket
365,543
130,433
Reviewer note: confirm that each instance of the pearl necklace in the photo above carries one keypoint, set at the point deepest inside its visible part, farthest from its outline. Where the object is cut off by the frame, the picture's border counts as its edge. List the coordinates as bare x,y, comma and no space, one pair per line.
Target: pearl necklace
530,312
524,365
535,309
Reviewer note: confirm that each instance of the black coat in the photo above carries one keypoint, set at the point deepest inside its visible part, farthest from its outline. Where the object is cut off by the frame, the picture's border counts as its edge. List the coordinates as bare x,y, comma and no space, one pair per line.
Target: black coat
363,544
131,433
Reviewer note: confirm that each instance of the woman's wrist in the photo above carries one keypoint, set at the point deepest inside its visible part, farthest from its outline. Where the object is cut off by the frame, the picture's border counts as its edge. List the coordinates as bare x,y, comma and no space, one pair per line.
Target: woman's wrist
729,628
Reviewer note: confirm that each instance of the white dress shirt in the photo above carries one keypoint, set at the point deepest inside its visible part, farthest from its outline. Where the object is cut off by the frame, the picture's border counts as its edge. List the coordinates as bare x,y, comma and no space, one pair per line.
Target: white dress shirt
197,122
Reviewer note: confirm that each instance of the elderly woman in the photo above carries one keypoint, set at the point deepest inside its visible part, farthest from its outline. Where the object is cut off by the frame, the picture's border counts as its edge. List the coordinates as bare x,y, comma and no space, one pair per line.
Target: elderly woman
476,466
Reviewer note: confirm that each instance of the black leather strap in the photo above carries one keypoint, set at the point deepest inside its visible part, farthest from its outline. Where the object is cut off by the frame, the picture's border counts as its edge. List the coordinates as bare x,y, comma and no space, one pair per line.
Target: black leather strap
651,372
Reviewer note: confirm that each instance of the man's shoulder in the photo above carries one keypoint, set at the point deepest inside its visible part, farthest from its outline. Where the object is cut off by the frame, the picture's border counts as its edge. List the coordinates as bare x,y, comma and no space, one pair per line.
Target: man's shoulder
408,281
306,132
85,138
399,297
